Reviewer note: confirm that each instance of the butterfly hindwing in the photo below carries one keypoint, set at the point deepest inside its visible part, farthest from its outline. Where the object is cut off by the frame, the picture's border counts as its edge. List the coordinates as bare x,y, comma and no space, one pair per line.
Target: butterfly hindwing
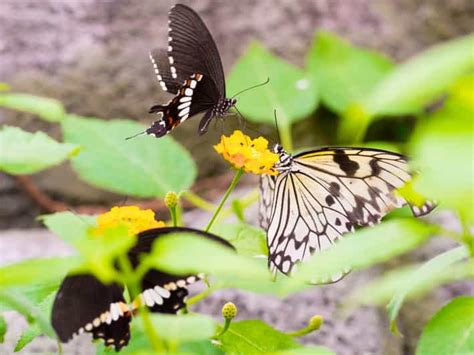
84,304
326,193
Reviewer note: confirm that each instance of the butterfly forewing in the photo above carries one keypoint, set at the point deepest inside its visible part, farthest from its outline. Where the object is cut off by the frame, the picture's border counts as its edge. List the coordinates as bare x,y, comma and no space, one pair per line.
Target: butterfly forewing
161,66
325,194
191,48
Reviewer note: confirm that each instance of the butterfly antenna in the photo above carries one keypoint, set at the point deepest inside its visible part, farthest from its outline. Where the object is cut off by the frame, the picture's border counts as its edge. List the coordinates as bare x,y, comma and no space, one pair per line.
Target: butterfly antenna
276,125
252,87
136,135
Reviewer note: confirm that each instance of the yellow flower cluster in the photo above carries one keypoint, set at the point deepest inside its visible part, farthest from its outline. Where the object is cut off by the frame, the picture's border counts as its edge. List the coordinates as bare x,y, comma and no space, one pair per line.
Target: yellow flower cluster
244,153
134,218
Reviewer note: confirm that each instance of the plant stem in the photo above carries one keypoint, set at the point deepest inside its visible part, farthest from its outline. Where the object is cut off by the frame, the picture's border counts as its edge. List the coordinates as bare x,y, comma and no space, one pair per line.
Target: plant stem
199,297
198,201
226,326
133,283
246,201
234,182
285,136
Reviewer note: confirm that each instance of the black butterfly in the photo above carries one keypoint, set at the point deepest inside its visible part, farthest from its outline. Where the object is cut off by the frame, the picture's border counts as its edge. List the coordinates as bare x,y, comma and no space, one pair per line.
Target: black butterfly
191,70
84,304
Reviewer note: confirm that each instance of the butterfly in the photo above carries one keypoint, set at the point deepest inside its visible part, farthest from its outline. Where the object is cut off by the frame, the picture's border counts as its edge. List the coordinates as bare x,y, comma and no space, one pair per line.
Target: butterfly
191,70
320,195
85,304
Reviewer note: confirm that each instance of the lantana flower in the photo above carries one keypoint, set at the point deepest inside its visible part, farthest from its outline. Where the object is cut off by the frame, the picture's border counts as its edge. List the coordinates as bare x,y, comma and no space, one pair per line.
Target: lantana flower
134,218
251,155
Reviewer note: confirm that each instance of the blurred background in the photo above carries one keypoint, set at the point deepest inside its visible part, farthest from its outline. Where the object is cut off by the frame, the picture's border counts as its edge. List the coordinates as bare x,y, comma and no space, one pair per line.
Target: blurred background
92,55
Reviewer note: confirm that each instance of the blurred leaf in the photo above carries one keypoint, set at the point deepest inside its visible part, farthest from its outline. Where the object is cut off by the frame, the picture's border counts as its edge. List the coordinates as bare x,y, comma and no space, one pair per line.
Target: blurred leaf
27,153
183,254
36,271
199,347
451,330
254,337
289,91
365,247
344,74
182,328
417,82
33,292
100,252
34,329
413,281
442,149
246,239
308,350
48,109
141,167
3,329
30,311
70,227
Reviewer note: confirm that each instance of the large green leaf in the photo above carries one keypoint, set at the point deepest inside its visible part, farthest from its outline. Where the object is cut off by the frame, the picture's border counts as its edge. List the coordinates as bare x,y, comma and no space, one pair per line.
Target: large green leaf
70,227
183,328
3,328
48,109
344,73
254,337
246,239
183,254
442,149
451,330
36,270
364,248
141,167
290,91
423,78
27,153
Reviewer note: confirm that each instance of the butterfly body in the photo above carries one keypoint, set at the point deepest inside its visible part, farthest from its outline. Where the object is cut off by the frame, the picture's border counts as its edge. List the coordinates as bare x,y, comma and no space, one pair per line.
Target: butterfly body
322,194
191,69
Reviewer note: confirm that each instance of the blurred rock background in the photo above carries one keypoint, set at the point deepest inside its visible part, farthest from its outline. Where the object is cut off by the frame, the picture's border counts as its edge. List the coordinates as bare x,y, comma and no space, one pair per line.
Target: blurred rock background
93,56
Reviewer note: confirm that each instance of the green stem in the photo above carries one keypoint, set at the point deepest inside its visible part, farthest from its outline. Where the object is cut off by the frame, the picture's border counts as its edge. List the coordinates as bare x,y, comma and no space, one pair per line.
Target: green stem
133,283
234,182
179,215
285,136
199,297
198,201
226,326
246,201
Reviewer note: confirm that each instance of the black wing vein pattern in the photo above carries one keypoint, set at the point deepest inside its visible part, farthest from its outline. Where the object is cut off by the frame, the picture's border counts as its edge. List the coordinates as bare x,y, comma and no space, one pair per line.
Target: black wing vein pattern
326,194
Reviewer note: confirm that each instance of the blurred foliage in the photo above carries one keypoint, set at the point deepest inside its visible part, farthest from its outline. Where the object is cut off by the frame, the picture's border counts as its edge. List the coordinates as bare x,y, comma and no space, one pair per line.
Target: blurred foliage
358,87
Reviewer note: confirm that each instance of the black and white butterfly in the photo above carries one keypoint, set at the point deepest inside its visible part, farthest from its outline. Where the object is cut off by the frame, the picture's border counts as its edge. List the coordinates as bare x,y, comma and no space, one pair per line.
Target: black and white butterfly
84,304
191,70
322,194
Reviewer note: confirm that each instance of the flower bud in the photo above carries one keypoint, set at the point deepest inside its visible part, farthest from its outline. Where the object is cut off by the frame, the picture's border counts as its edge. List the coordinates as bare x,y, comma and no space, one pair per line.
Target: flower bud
315,322
229,310
171,200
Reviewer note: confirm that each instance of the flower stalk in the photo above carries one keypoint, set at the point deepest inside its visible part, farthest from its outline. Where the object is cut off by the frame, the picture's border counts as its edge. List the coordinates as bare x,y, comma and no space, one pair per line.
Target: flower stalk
234,182
314,324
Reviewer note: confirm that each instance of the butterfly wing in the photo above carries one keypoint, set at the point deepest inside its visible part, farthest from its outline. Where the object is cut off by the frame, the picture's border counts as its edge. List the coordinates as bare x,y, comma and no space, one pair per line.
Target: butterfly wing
84,304
191,48
161,65
267,189
327,193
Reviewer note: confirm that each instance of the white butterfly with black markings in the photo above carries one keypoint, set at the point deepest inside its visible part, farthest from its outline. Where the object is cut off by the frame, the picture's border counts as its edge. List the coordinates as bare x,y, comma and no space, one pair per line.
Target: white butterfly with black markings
322,194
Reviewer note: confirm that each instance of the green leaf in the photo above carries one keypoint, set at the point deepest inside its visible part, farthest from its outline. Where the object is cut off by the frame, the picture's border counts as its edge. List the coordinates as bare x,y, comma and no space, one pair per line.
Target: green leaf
181,253
344,74
141,167
70,227
33,292
199,347
36,271
48,109
34,329
254,337
246,239
422,79
289,91
451,330
27,153
309,350
364,248
182,328
3,329
441,148
413,281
